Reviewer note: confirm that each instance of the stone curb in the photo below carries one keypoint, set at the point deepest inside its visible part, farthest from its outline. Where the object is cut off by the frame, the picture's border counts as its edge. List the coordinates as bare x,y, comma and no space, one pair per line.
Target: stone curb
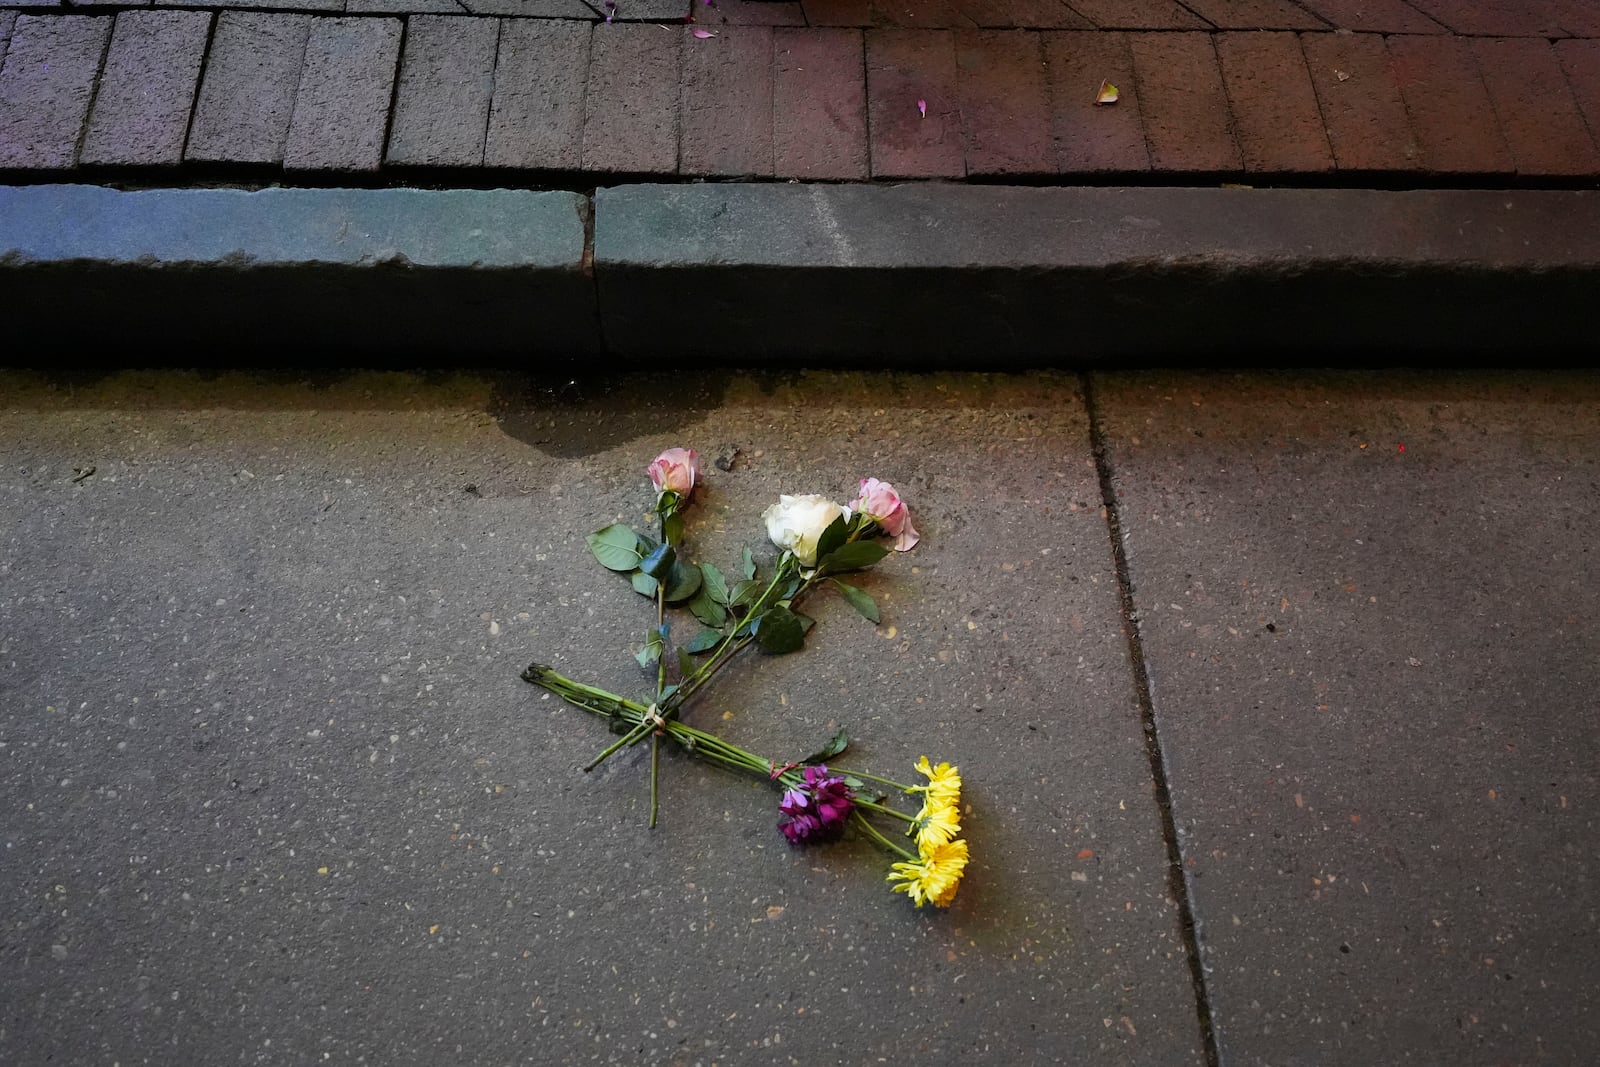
283,274
906,276
974,275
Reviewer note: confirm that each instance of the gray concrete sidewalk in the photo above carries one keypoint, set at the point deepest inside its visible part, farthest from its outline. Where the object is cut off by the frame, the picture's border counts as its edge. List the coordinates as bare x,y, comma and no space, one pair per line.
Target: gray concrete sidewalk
1367,608
278,796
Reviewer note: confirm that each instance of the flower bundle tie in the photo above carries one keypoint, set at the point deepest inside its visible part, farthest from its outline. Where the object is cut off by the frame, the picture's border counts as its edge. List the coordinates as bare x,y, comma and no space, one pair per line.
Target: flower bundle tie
819,540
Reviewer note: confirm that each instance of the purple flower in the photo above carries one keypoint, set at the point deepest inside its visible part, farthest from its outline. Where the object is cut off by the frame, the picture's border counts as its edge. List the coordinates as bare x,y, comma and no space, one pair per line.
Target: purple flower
815,809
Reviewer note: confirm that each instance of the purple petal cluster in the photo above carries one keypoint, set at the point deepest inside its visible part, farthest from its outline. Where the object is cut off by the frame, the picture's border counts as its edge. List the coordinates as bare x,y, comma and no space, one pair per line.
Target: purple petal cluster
815,809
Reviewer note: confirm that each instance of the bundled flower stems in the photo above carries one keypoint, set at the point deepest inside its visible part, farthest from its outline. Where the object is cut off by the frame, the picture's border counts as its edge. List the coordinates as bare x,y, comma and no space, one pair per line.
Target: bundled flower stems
818,540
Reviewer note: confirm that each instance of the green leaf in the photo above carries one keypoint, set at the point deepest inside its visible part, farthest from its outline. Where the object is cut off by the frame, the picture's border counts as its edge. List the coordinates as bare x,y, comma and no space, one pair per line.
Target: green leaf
616,547
839,742
859,600
806,621
716,586
857,555
779,630
832,537
744,592
686,666
683,583
643,584
705,608
651,650
748,564
704,641
659,562
854,783
672,528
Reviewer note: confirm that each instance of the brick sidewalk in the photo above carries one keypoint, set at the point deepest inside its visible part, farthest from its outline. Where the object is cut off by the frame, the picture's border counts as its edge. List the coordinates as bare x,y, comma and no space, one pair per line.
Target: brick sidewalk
529,90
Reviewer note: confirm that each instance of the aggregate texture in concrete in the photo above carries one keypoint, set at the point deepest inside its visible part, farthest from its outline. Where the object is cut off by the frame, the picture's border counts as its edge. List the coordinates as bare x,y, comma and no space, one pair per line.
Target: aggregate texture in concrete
276,792
1366,605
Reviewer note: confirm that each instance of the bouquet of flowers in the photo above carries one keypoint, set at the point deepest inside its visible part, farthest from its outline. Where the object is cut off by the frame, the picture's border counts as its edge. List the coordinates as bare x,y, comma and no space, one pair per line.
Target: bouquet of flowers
818,540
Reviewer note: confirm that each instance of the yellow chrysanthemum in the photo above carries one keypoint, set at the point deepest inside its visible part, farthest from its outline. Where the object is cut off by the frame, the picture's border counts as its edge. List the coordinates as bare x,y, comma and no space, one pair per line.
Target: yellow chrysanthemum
944,781
934,877
938,821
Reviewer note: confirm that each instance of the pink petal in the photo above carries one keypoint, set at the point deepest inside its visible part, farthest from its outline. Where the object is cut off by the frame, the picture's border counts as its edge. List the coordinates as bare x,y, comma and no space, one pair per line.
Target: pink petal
702,34
922,108
908,538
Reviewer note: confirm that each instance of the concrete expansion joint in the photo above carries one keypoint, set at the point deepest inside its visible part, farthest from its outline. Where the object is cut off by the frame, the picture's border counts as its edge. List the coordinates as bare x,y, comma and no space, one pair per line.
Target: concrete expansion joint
1171,831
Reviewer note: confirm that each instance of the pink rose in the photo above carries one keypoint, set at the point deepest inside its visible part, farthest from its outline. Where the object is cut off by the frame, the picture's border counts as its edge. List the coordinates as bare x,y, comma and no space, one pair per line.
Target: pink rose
675,470
880,502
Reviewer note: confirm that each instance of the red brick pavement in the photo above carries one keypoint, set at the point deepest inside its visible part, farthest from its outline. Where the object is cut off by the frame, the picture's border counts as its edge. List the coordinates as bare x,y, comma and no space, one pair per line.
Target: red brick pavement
1091,138
147,89
1368,125
341,108
1275,114
1187,121
819,104
913,105
1449,105
1004,103
834,90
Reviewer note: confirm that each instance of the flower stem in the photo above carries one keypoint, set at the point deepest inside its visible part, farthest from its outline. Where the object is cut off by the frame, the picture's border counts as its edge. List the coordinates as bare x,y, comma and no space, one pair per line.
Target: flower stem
887,781
884,809
872,831
661,682
719,658
710,667
699,742
636,734
588,697
655,763
722,654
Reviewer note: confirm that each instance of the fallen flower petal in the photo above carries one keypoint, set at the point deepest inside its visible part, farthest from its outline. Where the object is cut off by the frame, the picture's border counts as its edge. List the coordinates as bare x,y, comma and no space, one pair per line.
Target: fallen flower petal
922,108
702,34
1108,94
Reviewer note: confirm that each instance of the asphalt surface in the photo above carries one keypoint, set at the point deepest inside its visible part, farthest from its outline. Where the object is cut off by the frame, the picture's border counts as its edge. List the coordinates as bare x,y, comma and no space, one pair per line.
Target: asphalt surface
276,793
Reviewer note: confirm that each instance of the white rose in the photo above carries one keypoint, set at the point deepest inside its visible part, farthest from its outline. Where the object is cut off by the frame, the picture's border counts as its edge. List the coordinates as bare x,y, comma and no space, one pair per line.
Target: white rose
795,523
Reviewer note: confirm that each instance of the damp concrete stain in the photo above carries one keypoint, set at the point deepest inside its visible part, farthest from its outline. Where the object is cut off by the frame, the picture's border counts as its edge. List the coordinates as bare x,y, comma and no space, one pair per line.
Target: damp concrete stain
570,417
